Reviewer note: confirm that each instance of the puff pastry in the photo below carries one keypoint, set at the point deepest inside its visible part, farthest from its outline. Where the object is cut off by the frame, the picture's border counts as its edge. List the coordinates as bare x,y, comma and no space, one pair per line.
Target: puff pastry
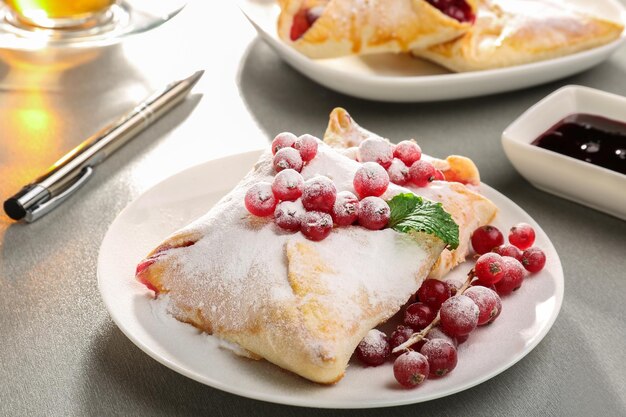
514,32
333,28
468,208
302,305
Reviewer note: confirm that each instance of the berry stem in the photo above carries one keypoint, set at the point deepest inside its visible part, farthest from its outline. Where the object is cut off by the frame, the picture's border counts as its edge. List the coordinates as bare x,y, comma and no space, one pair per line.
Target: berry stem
416,337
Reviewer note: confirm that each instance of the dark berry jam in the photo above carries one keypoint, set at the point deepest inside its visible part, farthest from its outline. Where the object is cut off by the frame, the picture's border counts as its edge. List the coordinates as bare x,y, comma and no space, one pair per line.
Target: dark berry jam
456,9
594,139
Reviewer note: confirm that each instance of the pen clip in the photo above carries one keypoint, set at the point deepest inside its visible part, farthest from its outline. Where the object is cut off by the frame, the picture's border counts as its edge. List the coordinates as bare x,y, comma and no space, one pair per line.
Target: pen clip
46,207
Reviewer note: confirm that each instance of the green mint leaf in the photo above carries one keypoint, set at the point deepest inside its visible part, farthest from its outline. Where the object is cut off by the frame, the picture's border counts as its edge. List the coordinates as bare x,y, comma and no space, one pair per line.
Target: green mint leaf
412,213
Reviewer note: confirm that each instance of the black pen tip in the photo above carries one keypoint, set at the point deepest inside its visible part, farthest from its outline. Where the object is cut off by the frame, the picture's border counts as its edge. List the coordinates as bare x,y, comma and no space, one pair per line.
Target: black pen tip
14,209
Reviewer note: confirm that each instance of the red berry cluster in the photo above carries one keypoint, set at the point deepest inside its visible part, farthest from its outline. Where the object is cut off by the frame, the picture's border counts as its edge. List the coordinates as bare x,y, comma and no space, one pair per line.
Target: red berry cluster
314,206
501,266
402,162
435,355
443,315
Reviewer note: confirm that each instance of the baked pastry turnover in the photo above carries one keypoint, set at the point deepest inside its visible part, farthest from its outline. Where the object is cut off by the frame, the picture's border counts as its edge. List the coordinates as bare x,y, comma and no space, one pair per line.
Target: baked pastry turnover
514,32
333,28
303,305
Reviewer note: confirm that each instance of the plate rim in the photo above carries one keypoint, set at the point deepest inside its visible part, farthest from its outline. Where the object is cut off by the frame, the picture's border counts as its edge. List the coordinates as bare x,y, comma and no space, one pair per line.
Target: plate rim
281,399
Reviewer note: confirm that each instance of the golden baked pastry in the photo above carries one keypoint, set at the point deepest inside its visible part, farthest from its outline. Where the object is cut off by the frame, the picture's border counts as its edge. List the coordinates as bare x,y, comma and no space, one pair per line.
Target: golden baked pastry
514,32
301,305
333,28
468,208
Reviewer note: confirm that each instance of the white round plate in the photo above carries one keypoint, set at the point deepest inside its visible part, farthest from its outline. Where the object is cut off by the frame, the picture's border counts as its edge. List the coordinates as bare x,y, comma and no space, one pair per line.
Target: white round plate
401,78
527,315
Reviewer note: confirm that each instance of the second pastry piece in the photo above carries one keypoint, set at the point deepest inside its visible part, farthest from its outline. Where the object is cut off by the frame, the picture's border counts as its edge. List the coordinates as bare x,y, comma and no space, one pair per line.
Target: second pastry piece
515,32
328,29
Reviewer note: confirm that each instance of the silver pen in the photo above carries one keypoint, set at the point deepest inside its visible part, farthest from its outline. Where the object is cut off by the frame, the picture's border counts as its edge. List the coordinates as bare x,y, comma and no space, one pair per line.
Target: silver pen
72,171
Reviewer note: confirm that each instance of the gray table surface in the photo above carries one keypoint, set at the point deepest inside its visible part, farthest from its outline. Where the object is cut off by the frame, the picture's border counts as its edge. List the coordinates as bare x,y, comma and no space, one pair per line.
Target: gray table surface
60,353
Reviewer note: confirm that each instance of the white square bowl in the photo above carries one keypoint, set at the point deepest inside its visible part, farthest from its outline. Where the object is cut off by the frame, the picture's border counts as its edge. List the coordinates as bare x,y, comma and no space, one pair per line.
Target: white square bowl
567,177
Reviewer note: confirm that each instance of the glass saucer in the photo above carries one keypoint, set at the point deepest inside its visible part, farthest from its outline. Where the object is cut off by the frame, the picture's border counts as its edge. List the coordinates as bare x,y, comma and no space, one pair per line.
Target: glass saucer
125,18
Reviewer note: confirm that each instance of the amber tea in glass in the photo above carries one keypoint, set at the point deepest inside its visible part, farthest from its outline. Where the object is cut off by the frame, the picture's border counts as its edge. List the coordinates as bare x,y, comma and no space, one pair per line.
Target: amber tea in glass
59,13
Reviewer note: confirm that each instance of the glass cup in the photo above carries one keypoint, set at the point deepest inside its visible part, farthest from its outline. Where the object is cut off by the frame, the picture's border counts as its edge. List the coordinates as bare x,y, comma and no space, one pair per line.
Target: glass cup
60,14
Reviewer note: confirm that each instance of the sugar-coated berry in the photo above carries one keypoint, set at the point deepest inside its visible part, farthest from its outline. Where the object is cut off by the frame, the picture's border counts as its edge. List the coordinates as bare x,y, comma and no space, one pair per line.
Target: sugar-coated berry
522,235
461,339
458,315
418,316
533,259
433,293
288,158
316,225
489,268
508,250
287,185
346,209
283,140
370,180
379,151
498,308
487,302
319,194
441,355
454,285
400,335
422,173
374,349
411,369
439,176
288,215
485,238
408,152
307,146
260,199
513,276
398,172
437,333
374,213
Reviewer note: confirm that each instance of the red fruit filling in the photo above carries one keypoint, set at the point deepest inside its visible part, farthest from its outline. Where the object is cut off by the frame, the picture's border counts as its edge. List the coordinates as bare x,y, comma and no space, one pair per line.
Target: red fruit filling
456,9
303,20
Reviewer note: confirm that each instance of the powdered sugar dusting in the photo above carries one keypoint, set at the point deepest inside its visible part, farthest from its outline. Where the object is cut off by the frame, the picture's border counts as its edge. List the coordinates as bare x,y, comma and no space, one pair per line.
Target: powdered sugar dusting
237,272
374,343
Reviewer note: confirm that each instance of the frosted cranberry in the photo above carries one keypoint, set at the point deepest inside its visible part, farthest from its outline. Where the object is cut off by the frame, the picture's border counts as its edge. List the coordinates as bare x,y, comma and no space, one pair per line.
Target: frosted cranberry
375,150
487,303
370,180
422,173
374,213
508,250
433,293
288,215
287,185
398,172
418,316
411,369
461,339
441,355
489,268
316,225
408,152
287,158
307,146
260,199
454,286
533,259
283,140
498,309
319,194
346,209
459,316
439,175
400,335
513,276
485,238
374,349
522,235
437,333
